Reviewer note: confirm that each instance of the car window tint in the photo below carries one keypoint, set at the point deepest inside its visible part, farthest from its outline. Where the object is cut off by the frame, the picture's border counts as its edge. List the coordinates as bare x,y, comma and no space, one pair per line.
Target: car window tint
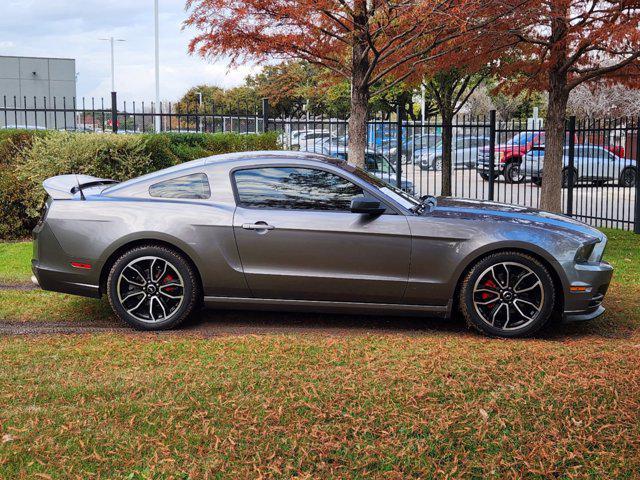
294,189
195,186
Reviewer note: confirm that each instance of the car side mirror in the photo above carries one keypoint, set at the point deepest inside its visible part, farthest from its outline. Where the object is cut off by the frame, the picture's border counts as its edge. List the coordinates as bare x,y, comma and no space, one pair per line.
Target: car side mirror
367,205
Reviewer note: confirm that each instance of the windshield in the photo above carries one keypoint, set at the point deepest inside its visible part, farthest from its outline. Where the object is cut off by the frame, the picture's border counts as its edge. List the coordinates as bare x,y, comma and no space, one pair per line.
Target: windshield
522,139
398,195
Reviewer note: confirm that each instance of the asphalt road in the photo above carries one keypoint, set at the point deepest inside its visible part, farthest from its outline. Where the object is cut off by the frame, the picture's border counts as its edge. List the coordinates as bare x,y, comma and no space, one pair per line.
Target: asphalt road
610,205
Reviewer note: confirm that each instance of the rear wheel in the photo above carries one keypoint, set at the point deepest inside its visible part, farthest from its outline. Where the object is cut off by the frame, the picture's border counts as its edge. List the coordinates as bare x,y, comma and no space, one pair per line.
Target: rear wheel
513,173
485,176
565,178
152,288
507,294
628,177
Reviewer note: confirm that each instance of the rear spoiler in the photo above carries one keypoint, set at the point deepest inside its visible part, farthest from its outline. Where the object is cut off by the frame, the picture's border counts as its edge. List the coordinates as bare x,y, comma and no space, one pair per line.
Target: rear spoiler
64,187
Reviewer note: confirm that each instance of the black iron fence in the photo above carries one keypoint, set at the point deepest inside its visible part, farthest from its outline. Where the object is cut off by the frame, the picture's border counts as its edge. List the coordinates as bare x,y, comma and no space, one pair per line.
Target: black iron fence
491,159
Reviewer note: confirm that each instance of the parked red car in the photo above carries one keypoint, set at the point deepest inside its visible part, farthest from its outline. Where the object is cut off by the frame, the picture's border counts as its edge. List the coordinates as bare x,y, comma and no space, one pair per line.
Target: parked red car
508,156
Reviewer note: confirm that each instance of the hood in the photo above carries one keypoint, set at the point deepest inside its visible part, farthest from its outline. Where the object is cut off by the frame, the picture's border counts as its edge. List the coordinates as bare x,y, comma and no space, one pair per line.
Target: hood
481,209
508,149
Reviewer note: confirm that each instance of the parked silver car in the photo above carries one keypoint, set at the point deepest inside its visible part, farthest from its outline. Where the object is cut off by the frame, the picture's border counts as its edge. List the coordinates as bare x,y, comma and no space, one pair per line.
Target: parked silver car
300,231
464,153
591,163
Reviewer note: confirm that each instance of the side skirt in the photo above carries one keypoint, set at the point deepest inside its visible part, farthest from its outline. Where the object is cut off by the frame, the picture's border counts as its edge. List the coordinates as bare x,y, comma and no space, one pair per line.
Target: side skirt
275,304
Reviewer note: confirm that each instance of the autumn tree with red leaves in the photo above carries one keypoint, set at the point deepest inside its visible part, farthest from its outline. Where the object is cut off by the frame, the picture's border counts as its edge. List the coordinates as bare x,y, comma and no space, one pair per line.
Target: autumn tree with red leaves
557,45
368,42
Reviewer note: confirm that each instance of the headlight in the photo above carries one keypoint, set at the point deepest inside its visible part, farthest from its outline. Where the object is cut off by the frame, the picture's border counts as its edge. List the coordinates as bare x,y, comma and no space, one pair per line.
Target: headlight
584,253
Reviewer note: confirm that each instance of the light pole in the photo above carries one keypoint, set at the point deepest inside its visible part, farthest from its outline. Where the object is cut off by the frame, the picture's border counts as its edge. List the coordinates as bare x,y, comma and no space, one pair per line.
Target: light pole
157,62
111,41
201,125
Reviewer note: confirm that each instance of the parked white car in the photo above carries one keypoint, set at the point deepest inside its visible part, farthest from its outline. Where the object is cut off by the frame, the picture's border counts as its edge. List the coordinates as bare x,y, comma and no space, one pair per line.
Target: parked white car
592,164
465,153
305,139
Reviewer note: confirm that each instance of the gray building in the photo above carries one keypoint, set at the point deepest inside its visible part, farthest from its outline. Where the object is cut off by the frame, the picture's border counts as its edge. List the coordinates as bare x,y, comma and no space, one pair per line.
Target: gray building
35,82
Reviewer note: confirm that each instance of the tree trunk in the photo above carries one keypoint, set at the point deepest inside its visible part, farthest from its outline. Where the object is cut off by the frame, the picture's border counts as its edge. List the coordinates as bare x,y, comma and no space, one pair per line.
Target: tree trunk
551,195
447,167
358,125
359,87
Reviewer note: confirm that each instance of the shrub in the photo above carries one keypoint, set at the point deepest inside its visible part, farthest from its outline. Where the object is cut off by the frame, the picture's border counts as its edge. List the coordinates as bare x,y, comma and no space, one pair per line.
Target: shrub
27,158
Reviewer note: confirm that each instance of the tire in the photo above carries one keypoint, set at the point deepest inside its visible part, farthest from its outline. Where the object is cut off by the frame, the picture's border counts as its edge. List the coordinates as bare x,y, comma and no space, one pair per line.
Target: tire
537,181
524,301
565,178
486,176
628,177
159,302
512,173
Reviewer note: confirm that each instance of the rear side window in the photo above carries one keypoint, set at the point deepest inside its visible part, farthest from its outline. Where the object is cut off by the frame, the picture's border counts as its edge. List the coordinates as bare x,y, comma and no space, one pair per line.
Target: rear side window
292,188
195,186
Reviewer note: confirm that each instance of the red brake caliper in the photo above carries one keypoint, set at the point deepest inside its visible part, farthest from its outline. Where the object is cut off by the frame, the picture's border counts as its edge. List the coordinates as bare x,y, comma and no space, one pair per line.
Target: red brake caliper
168,279
486,296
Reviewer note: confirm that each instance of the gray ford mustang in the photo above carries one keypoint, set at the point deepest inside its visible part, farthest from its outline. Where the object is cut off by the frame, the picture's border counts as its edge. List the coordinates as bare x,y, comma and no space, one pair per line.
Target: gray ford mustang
301,231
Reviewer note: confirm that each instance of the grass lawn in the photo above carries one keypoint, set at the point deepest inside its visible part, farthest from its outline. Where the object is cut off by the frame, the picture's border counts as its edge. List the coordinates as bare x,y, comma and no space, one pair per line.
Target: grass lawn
379,405
15,262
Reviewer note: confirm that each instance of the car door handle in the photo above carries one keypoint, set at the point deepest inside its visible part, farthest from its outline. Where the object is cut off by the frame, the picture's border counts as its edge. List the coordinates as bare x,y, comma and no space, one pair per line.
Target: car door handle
257,226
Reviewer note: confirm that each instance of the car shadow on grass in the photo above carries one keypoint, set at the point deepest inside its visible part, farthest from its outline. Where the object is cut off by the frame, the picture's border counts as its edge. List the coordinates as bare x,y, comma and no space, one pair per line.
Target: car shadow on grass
234,322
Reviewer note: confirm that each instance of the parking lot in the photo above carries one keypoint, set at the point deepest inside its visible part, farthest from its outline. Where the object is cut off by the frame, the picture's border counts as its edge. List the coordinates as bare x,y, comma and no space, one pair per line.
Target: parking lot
604,206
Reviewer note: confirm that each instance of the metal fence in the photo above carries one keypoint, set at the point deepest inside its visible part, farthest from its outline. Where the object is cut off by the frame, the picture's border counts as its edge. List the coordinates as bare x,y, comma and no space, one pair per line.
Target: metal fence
491,159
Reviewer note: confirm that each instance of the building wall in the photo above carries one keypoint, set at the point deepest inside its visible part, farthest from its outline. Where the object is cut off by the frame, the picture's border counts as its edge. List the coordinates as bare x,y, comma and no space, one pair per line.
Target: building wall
31,82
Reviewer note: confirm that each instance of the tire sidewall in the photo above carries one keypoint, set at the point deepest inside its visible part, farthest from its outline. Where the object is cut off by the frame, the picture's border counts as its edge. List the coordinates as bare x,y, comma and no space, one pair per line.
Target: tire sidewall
623,180
178,262
509,173
466,295
565,178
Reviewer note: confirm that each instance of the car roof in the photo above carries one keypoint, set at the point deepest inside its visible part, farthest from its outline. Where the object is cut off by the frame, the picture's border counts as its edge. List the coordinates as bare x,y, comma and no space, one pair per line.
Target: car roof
230,160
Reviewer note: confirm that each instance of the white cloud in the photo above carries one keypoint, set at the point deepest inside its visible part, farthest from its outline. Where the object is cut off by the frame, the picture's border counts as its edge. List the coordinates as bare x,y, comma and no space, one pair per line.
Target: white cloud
72,29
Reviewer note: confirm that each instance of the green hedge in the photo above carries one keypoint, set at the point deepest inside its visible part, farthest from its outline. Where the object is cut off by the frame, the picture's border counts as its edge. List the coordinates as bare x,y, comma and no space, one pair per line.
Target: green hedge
29,157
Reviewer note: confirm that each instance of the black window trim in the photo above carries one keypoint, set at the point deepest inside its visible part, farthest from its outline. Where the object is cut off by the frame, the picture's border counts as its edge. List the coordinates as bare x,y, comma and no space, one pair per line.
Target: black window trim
391,208
169,178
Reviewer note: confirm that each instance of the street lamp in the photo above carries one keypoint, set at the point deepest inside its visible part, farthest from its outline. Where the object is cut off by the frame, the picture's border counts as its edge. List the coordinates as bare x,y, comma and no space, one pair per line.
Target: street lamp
157,62
200,112
111,41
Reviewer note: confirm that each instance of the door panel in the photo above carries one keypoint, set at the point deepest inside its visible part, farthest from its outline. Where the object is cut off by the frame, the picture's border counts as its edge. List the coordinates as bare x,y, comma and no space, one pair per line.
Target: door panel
323,255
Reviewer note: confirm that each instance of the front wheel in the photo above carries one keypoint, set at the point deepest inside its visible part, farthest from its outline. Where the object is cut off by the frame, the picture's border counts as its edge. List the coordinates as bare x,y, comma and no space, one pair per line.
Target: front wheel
628,177
507,294
152,288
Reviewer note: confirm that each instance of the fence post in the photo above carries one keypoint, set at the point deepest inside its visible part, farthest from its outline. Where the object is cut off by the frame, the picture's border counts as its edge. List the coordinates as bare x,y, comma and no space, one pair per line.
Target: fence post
636,223
265,115
399,118
492,153
572,151
114,112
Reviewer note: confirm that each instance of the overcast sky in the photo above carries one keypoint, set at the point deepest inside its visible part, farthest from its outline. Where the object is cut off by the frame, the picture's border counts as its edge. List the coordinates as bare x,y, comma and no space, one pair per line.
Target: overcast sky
72,29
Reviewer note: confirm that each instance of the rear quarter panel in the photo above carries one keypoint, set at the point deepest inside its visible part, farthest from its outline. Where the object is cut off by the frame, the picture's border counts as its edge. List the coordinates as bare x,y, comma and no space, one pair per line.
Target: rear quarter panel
93,230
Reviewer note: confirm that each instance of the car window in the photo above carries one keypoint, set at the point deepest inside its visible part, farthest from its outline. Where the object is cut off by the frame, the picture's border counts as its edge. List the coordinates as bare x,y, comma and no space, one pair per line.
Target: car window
590,151
195,186
522,139
466,142
294,188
